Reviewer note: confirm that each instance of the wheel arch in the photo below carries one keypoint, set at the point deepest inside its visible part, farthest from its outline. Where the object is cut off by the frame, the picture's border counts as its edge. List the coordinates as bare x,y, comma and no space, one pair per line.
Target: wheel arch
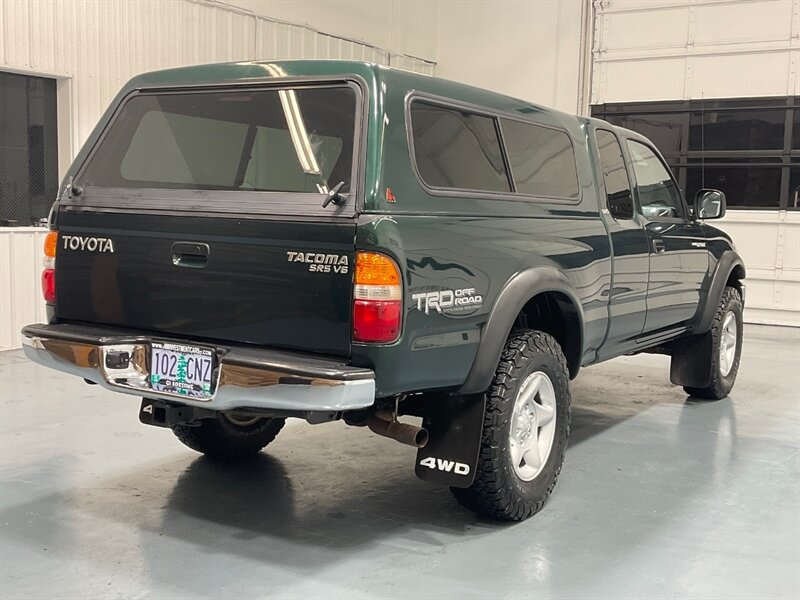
537,298
730,271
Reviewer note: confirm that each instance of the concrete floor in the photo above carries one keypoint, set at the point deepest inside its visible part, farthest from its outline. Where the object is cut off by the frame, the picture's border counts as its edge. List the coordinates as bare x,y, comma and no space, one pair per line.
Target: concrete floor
659,497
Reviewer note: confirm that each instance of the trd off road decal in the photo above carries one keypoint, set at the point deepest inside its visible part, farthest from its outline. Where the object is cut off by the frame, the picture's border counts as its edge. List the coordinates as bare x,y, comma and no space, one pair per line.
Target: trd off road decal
319,262
448,302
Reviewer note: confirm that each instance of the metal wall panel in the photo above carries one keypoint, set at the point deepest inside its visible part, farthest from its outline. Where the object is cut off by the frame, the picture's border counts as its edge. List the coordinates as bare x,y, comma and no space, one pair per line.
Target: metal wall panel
687,49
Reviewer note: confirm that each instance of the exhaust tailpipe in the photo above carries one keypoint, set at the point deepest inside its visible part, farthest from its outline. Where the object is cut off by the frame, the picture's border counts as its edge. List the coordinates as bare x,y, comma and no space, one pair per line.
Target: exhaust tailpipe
383,424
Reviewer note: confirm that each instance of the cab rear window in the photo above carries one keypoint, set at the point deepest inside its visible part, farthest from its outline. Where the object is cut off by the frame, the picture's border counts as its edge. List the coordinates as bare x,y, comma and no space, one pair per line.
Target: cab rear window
289,140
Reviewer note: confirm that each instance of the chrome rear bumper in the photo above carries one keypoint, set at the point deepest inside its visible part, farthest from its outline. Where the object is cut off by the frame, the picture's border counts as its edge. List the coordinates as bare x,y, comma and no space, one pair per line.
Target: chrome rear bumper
245,377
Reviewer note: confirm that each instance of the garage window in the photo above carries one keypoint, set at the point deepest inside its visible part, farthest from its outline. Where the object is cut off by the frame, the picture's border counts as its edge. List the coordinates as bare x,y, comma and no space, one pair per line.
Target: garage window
28,148
747,147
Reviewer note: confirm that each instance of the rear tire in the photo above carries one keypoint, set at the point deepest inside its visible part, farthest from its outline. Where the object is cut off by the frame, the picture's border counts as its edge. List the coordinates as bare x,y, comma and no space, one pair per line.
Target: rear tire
229,437
726,348
527,408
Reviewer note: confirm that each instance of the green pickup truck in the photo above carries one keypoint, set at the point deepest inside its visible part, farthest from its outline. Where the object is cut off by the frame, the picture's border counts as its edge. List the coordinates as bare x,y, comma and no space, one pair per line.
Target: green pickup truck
241,243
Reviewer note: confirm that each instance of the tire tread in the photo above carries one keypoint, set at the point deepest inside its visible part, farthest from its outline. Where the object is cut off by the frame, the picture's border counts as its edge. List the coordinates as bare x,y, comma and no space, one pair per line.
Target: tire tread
220,439
491,493
718,387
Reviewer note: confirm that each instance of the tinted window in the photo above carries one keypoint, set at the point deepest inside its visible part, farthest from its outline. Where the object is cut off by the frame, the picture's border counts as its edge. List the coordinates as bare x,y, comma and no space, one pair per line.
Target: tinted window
456,149
756,185
542,160
658,195
269,140
736,130
664,130
615,175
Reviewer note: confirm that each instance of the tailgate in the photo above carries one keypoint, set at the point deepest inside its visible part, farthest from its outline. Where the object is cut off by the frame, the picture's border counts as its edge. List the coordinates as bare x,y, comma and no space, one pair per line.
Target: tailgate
261,282
199,214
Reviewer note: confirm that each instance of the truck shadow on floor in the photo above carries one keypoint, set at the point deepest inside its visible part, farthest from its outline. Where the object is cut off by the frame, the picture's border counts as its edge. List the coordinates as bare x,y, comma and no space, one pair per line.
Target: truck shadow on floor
323,493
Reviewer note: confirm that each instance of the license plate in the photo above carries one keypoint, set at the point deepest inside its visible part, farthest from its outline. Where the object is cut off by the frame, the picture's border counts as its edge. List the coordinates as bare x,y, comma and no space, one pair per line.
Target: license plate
181,369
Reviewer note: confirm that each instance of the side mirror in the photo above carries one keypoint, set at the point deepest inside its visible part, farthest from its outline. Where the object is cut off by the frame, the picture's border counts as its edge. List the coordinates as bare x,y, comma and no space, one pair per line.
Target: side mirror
709,204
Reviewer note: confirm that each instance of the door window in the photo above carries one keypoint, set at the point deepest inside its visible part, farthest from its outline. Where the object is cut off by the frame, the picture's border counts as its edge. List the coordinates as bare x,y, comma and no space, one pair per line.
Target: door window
618,188
659,197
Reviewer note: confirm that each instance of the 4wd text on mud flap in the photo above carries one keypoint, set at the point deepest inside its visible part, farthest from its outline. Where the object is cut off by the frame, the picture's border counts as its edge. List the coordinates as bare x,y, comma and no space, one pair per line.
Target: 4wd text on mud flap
445,465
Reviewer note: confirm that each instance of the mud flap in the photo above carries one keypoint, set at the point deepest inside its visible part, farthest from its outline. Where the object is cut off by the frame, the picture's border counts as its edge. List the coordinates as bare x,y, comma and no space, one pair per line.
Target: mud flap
455,426
691,363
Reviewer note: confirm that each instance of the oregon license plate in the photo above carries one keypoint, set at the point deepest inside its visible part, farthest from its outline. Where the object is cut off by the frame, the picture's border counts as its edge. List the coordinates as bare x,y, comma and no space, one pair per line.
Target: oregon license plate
181,369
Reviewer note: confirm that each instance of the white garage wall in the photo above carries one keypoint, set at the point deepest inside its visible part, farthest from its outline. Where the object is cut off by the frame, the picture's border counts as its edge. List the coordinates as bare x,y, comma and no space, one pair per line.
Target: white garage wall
20,286
769,243
93,46
689,49
404,27
646,50
529,50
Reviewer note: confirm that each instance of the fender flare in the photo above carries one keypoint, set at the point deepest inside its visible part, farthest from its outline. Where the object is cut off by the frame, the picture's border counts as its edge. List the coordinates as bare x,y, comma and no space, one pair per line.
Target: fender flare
727,263
521,288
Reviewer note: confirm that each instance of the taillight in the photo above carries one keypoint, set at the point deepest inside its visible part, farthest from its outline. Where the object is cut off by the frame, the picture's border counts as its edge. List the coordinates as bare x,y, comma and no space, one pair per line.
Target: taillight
49,273
377,310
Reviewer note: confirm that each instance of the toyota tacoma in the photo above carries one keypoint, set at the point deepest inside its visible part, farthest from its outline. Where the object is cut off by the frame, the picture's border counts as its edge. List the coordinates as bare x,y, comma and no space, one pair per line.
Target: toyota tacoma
237,244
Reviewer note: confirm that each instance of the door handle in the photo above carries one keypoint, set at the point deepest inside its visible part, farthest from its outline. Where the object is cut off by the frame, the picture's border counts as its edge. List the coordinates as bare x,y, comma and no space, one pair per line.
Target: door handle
190,254
659,247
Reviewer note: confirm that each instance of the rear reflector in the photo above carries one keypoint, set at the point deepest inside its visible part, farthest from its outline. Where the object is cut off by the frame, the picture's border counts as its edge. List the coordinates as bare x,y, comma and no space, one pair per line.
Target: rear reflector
49,285
377,310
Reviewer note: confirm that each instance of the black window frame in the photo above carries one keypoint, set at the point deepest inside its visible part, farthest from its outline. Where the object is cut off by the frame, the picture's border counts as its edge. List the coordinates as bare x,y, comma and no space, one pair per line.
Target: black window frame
496,115
684,159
